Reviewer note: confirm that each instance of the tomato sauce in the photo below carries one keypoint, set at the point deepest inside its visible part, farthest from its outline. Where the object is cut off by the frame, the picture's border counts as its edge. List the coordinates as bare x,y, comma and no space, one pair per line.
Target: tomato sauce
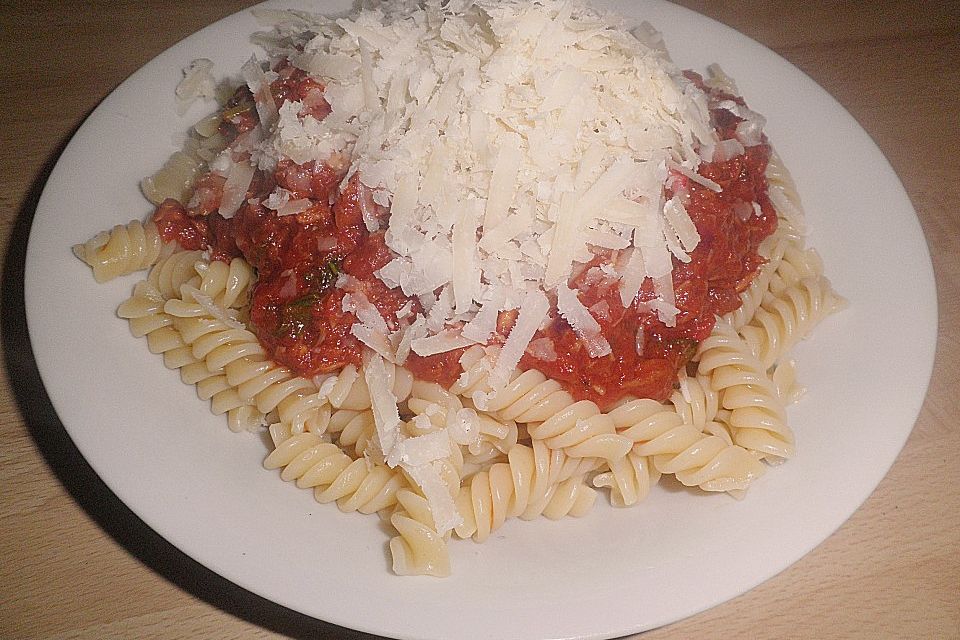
299,317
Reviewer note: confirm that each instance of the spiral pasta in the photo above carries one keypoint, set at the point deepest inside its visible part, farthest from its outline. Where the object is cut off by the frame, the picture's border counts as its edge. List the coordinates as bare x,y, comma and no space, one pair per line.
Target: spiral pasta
525,486
787,317
531,451
212,384
529,397
145,311
772,248
418,549
354,430
225,360
350,391
629,479
354,484
757,413
484,439
522,450
783,193
582,431
123,249
696,401
227,284
677,447
176,178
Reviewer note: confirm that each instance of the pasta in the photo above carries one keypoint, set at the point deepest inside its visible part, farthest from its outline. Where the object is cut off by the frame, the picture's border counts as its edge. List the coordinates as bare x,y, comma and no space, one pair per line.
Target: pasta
529,484
355,485
122,250
695,456
757,413
181,171
418,549
453,303
783,319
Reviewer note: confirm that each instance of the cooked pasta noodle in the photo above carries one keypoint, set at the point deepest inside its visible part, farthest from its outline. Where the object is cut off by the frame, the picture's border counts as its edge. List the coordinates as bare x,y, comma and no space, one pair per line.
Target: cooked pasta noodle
783,193
757,413
529,397
582,431
525,486
228,284
629,479
796,264
788,316
176,178
485,439
170,273
122,250
417,549
680,448
696,402
350,390
354,484
752,297
144,310
354,429
784,376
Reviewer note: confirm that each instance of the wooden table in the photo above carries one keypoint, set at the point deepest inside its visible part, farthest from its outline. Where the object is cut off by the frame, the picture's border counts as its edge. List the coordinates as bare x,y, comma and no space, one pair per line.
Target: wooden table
75,563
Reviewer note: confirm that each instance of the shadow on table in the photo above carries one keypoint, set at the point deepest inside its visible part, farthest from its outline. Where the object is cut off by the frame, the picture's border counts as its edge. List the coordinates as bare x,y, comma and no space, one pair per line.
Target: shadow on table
86,487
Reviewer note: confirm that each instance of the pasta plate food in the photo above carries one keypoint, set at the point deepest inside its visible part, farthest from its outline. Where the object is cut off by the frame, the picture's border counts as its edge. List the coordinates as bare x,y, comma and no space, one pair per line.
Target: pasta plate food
475,261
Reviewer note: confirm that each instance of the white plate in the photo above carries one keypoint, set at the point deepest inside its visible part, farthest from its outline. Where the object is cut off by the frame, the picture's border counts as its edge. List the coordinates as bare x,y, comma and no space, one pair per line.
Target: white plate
614,572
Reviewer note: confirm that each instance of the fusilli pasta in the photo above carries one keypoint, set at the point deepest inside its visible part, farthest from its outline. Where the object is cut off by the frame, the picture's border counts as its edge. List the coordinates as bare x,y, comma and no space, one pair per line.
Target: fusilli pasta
757,413
527,485
124,249
417,549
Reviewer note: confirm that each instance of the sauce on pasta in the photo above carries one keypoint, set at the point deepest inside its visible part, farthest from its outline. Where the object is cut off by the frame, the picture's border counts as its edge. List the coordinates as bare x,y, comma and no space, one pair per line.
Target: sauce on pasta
299,315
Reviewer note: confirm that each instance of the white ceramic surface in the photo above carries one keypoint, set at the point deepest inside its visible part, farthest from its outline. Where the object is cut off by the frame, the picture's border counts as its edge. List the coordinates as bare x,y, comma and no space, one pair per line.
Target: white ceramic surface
614,572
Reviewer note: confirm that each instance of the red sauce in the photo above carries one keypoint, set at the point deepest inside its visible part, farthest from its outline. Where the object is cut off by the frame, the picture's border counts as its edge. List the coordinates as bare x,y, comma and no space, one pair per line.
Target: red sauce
298,314
296,311
176,225
442,368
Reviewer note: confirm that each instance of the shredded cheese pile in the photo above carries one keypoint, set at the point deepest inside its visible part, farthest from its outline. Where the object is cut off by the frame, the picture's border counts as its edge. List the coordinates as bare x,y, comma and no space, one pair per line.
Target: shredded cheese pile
510,141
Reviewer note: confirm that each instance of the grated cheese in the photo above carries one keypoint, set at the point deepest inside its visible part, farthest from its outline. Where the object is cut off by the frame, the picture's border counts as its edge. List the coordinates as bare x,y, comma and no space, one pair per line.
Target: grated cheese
386,416
680,223
442,507
197,82
444,341
503,182
533,311
511,141
582,323
259,85
420,450
372,330
235,187
226,316
463,426
281,202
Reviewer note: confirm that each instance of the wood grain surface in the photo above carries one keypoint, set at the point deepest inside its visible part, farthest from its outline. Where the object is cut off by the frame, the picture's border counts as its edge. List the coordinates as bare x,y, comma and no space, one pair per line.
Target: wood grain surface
76,563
